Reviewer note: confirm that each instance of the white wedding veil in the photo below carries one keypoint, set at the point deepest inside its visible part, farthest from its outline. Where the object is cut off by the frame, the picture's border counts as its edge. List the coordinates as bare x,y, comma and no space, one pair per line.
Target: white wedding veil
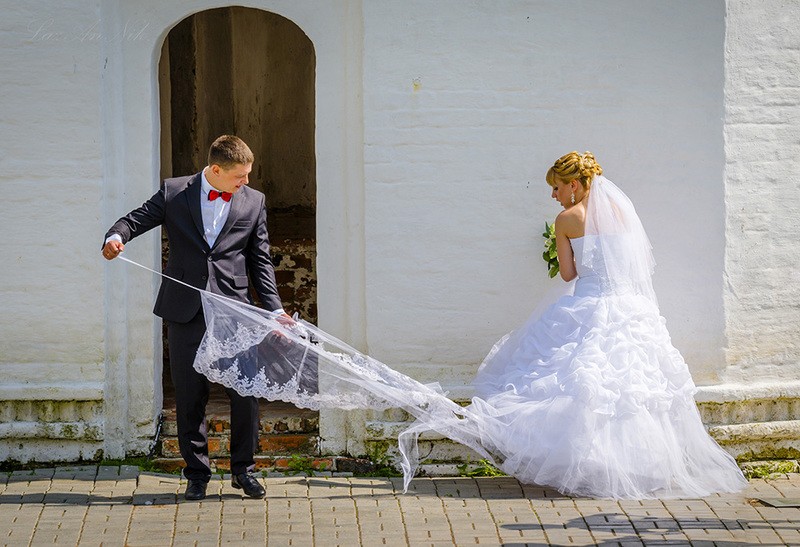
256,353
615,241
259,353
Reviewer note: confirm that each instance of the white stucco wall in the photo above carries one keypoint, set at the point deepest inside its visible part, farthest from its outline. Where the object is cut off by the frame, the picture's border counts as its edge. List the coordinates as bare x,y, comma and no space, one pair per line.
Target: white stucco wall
52,177
762,146
51,284
465,108
80,148
435,122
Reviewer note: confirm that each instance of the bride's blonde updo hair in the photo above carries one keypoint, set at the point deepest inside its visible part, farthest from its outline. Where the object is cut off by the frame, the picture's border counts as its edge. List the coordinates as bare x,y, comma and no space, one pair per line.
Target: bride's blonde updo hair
572,166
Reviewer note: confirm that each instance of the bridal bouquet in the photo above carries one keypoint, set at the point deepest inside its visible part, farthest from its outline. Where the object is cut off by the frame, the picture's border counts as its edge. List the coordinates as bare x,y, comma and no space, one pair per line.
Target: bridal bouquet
550,255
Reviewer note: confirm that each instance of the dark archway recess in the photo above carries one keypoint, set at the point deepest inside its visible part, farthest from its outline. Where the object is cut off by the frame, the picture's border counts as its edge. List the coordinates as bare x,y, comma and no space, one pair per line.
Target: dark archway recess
251,73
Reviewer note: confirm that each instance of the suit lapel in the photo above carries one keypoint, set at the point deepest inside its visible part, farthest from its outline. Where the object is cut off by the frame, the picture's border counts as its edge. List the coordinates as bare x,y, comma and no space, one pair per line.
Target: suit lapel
193,198
237,208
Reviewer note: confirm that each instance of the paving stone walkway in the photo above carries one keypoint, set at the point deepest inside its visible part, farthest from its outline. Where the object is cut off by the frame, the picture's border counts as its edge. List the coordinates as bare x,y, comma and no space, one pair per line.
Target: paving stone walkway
91,505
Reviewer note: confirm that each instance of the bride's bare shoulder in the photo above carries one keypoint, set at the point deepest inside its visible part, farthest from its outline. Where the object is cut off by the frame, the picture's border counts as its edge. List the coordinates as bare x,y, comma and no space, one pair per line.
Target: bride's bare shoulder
571,221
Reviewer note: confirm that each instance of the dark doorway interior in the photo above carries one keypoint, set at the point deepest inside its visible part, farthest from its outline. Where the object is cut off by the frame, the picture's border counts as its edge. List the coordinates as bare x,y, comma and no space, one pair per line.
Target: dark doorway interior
250,73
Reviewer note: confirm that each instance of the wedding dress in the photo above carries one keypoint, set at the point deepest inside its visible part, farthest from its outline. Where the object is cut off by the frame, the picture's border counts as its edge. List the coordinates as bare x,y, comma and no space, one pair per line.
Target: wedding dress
588,397
592,396
593,399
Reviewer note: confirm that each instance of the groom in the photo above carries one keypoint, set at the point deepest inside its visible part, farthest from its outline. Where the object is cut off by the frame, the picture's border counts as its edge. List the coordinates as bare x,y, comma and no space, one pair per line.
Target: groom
217,230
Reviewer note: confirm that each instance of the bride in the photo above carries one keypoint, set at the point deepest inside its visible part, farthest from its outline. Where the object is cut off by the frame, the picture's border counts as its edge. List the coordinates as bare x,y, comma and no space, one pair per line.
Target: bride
588,397
594,398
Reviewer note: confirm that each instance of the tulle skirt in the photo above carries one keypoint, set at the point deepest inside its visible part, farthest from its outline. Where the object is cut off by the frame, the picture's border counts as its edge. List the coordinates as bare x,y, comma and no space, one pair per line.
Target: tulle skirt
591,398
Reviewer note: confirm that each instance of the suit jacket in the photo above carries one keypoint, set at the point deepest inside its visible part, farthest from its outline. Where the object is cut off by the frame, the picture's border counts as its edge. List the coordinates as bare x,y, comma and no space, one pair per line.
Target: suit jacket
241,248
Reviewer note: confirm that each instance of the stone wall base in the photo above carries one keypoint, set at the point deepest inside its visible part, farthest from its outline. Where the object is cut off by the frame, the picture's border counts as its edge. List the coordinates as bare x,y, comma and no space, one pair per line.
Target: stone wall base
752,423
51,430
49,450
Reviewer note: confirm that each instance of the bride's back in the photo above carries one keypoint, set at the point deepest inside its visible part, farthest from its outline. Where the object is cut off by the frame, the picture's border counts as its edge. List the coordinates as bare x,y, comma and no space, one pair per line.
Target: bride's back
593,267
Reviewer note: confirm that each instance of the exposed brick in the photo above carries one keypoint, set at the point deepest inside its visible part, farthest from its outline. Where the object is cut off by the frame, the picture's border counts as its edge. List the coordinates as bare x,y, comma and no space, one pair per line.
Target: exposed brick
286,444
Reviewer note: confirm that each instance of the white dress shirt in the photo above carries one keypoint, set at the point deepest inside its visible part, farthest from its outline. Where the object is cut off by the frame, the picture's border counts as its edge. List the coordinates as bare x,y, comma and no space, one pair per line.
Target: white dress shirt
215,213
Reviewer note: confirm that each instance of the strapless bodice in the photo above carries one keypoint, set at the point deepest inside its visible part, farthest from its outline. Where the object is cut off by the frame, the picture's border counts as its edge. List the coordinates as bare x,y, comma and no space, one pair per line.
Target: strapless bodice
590,274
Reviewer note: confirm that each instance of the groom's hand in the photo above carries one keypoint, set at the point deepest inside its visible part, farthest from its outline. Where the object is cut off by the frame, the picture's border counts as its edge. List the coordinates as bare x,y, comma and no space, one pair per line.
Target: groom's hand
112,249
279,338
285,320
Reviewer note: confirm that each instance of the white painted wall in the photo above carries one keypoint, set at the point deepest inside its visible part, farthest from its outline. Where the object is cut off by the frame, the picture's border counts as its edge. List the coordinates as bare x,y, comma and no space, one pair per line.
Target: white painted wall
465,108
762,148
435,124
51,176
81,147
51,324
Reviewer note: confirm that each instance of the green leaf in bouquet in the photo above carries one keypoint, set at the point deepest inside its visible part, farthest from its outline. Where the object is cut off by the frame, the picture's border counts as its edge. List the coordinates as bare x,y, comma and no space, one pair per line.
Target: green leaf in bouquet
550,254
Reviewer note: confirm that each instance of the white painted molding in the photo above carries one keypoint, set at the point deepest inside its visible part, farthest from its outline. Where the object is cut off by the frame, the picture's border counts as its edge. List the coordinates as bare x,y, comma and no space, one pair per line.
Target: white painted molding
727,393
73,431
722,393
786,430
84,391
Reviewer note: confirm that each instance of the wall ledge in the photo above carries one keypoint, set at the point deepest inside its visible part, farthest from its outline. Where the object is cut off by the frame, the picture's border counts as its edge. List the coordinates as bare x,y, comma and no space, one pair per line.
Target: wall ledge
735,392
84,391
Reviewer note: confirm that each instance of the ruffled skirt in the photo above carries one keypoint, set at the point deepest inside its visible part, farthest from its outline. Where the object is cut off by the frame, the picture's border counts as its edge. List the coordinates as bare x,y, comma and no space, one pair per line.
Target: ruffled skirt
591,398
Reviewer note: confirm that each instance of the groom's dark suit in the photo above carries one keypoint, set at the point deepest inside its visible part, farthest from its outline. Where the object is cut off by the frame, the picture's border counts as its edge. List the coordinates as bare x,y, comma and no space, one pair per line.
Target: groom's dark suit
241,248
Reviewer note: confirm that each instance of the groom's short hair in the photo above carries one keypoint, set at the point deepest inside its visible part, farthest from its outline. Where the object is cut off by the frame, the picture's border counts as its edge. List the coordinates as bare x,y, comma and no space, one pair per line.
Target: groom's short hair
229,150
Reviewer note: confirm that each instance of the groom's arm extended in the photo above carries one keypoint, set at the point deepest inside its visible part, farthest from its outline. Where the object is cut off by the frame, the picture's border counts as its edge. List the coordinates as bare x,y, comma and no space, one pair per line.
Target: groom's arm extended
135,223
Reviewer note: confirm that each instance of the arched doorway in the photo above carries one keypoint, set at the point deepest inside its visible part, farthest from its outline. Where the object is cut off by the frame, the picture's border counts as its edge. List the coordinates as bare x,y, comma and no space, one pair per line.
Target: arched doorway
251,73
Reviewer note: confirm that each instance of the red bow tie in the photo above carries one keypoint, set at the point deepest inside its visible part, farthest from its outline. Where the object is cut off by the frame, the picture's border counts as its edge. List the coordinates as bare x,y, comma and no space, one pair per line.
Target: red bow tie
213,194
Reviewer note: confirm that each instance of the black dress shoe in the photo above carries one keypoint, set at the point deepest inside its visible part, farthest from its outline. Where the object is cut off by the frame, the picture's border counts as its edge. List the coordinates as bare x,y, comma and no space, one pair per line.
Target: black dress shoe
246,482
195,490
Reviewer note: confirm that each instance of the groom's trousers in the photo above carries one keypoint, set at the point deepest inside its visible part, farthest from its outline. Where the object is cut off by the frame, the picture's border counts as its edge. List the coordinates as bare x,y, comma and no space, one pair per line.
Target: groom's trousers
191,396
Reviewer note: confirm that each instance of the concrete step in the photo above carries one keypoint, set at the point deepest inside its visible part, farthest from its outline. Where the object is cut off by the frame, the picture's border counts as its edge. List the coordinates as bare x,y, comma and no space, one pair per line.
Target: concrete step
268,445
291,464
274,418
284,463
283,428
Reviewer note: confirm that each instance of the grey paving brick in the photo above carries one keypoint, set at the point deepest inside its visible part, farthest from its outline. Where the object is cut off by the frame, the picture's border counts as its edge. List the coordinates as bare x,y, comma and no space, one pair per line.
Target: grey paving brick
107,505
